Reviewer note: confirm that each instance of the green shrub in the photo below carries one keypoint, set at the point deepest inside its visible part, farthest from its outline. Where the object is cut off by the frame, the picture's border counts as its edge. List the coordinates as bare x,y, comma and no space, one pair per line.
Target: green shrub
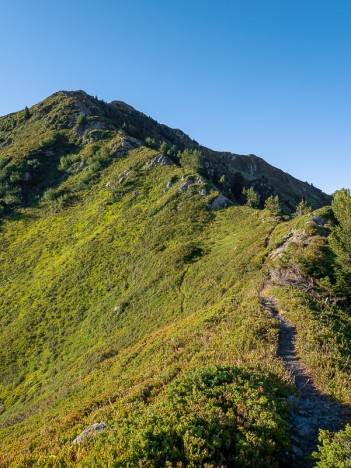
302,209
81,120
335,449
192,159
251,197
272,204
151,142
217,415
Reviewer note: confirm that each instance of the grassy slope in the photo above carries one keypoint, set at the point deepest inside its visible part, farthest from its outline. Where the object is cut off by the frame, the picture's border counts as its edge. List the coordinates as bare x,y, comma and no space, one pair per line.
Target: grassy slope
111,293
104,299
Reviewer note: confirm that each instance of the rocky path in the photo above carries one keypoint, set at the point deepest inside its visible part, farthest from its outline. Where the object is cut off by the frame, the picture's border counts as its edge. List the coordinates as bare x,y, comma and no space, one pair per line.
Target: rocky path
312,410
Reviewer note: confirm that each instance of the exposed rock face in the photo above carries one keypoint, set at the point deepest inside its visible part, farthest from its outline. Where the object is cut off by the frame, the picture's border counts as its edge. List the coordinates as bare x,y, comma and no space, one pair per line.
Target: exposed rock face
161,160
89,433
185,184
219,202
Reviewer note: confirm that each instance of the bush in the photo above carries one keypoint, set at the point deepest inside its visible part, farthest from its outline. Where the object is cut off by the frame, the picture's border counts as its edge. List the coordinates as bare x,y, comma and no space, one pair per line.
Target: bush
151,143
272,204
340,240
302,209
251,197
216,415
335,449
192,159
81,120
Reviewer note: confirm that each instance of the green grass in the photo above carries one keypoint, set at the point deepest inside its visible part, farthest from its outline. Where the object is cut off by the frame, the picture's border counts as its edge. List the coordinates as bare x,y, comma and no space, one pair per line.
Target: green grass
113,296
124,301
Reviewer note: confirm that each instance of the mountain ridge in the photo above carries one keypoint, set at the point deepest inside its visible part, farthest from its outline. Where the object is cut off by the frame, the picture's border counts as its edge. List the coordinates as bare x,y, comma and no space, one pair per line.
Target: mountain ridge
254,171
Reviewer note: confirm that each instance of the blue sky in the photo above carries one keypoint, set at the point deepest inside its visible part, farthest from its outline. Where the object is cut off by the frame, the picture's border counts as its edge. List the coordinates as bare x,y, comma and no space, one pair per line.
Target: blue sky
268,77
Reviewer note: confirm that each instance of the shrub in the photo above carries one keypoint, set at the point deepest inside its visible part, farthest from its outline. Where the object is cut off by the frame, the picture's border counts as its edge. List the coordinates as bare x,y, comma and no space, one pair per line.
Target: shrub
216,415
151,142
81,120
192,159
272,204
302,209
340,240
335,449
251,197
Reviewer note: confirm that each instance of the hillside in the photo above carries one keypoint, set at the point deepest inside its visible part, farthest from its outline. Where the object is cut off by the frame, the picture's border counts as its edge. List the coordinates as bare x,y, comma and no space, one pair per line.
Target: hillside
32,142
131,287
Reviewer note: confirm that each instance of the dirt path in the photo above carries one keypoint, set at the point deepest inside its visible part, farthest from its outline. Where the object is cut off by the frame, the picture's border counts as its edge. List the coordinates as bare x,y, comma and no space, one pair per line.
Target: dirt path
312,410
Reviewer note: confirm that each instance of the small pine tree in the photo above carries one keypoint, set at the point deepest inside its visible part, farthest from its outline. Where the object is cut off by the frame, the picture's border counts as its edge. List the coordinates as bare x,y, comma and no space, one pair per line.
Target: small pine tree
272,204
251,197
151,142
236,183
192,159
81,120
302,208
26,113
340,240
164,148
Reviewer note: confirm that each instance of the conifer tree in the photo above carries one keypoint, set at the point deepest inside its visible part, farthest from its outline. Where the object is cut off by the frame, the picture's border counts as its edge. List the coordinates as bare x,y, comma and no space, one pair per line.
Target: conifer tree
302,209
340,240
272,204
251,197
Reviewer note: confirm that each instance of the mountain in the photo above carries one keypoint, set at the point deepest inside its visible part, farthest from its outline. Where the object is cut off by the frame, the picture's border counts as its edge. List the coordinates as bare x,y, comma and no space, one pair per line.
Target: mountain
32,142
140,298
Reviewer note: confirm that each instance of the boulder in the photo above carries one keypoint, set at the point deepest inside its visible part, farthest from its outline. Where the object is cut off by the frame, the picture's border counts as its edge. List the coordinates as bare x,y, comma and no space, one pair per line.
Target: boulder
219,202
203,191
89,433
161,160
185,184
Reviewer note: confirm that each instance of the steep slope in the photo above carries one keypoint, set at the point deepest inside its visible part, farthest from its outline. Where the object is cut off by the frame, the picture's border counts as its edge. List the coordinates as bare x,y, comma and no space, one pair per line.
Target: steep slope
125,296
32,141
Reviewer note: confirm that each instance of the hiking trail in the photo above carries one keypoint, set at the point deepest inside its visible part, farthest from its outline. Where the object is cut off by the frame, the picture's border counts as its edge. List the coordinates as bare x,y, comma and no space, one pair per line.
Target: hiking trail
312,410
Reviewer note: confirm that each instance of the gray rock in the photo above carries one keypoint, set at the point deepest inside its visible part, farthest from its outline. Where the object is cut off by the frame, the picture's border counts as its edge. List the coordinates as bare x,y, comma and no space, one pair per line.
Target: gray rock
185,184
89,433
161,160
200,180
169,185
123,176
317,220
203,191
219,202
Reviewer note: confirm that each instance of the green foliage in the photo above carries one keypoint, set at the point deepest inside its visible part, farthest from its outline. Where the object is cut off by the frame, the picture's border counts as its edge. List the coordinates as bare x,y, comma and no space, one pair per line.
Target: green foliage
192,159
26,113
209,417
151,142
124,302
81,120
340,240
251,197
236,184
272,204
164,148
335,449
302,209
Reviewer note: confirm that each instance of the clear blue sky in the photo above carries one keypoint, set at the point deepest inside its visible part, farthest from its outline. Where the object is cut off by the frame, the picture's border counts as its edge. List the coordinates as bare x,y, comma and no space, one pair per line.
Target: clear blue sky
267,77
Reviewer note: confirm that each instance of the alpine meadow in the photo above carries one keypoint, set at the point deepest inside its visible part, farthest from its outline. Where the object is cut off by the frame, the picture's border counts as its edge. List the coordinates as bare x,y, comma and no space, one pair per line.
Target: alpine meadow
163,304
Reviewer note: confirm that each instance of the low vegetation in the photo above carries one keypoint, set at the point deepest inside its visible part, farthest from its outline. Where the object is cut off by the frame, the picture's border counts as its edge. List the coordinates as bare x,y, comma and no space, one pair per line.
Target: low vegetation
125,299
